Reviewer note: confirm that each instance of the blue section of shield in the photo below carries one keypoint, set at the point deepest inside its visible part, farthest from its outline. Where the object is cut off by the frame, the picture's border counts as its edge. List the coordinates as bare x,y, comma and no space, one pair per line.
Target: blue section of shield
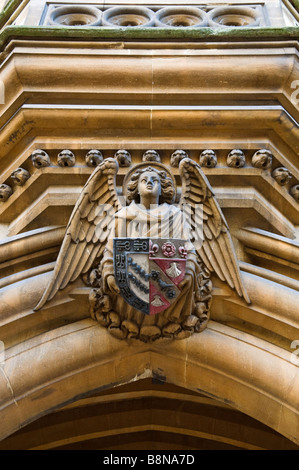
123,249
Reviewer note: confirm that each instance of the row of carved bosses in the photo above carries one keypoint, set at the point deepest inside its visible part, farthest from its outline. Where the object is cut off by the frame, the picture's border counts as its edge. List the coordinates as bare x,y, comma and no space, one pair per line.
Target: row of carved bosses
262,159
168,16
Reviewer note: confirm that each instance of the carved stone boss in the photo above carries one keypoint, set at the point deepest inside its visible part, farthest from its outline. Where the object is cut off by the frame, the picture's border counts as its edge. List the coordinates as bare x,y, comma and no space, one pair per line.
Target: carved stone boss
147,258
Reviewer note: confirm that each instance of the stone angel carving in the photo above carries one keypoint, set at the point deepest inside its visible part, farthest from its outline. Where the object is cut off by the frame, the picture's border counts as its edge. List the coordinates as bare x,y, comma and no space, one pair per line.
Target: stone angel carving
148,258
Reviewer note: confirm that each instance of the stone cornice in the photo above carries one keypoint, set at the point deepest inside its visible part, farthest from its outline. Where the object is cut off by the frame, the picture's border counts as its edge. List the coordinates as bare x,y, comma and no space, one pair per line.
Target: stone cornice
134,127
156,34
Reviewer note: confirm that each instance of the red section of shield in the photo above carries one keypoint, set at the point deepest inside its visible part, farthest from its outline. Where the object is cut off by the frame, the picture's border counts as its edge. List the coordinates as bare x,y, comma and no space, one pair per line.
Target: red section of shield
171,268
157,302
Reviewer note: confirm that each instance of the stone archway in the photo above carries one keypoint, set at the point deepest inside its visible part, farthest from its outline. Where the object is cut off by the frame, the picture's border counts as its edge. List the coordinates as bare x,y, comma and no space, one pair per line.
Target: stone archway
58,367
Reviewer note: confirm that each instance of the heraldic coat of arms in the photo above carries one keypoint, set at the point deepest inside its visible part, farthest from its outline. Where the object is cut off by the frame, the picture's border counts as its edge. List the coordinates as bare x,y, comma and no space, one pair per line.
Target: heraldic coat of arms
148,254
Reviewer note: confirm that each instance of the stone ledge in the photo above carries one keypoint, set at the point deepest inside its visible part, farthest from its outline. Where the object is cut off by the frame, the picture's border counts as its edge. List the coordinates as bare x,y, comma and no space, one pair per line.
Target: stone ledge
124,34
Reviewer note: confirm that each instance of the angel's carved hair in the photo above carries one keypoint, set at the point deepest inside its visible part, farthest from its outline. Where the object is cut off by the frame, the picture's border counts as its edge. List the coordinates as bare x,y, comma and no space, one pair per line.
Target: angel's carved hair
167,186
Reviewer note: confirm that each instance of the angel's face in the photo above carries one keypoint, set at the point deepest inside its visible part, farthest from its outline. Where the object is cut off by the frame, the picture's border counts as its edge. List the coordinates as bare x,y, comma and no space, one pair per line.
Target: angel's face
149,185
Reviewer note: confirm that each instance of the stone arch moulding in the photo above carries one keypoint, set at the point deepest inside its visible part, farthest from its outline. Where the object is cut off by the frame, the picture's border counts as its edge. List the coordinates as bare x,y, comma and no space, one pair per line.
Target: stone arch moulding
76,360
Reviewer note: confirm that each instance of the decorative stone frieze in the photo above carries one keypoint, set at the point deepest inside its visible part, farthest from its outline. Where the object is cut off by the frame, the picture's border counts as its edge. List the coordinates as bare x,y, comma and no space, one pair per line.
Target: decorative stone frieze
236,158
5,192
93,158
20,176
183,17
66,158
262,159
294,191
161,17
176,157
281,175
75,15
208,158
124,16
235,16
123,158
40,158
151,156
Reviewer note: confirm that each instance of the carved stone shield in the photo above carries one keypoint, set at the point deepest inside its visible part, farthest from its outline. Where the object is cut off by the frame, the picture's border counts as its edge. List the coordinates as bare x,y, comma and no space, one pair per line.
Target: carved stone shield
149,271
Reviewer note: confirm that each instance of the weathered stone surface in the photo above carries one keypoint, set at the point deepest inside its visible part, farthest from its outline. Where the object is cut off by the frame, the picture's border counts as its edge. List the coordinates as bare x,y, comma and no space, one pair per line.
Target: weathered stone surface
181,92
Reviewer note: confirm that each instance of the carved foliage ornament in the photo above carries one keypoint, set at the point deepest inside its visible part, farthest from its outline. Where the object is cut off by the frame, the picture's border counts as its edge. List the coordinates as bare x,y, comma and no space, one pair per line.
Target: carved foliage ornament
148,260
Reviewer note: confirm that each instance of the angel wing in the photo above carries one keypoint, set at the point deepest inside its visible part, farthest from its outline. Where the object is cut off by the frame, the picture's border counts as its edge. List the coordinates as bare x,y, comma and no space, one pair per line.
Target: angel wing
212,240
87,231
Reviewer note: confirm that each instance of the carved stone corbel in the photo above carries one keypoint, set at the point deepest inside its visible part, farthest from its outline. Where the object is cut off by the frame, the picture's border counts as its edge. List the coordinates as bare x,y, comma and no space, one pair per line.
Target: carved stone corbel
20,176
262,159
40,159
208,158
5,192
66,158
281,175
176,157
236,158
123,158
294,191
151,156
93,158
